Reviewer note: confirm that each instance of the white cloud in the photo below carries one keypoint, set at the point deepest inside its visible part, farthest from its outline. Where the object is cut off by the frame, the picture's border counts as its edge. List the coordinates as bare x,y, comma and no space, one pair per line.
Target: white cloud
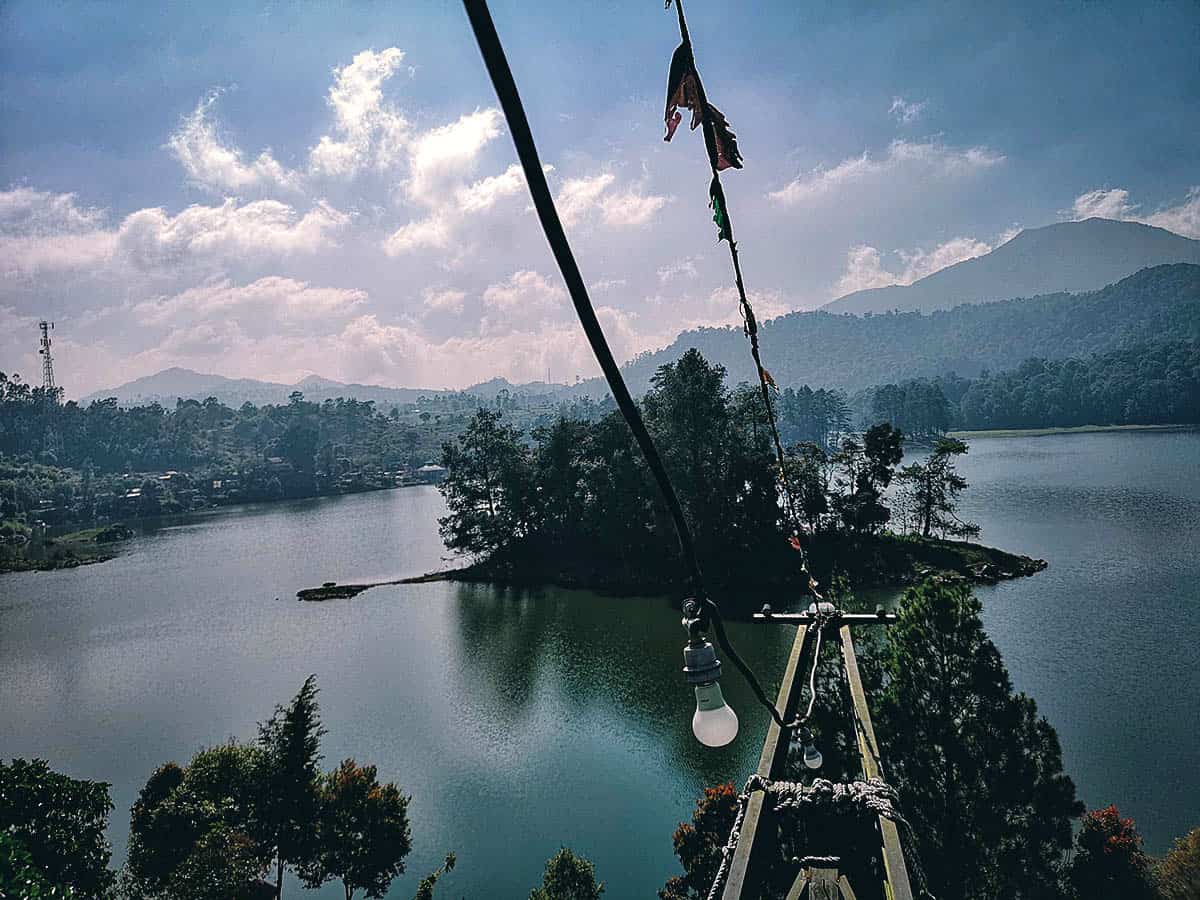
46,232
578,198
213,165
1104,204
629,209
151,237
1182,219
433,233
485,193
42,231
368,130
444,299
442,155
283,300
1113,203
928,160
685,268
865,269
525,297
25,211
907,111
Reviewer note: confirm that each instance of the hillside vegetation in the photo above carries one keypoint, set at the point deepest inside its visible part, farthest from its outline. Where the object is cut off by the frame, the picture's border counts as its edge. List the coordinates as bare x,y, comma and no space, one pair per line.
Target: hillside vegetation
849,352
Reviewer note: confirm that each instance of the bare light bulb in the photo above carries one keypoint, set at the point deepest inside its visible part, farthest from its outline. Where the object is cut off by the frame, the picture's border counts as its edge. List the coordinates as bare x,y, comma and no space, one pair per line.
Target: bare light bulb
714,723
812,756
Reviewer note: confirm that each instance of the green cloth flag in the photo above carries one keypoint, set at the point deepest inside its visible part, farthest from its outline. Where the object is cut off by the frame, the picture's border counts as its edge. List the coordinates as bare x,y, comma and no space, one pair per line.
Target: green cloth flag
716,196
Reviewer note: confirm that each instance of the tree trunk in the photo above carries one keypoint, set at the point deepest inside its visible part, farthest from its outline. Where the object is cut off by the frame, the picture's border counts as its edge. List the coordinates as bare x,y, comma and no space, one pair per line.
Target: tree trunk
279,879
349,891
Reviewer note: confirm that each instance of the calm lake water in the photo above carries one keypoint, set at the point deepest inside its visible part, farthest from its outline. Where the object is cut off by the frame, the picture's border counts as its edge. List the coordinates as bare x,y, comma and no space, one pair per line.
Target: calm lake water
520,721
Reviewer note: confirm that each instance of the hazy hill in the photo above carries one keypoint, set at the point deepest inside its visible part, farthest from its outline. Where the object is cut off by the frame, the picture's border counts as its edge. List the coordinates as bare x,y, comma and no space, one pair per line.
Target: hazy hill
824,349
169,385
1069,256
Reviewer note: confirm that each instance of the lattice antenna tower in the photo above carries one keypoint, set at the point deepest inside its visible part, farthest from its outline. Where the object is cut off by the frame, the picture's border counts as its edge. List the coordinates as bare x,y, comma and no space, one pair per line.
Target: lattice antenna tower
47,361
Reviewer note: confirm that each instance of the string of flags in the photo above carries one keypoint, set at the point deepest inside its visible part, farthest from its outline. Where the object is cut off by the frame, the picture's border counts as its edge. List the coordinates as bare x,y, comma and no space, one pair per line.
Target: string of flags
685,91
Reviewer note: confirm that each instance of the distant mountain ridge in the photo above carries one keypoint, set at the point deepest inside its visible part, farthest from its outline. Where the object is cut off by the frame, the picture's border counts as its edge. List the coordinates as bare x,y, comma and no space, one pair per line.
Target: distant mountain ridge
824,349
177,383
1067,256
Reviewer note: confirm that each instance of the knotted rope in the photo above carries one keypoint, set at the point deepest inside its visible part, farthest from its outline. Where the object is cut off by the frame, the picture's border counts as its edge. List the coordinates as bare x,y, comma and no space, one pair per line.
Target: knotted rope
868,799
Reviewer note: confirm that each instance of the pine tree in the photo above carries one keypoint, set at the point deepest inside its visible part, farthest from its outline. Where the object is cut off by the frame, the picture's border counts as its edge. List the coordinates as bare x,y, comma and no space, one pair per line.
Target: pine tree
979,772
292,741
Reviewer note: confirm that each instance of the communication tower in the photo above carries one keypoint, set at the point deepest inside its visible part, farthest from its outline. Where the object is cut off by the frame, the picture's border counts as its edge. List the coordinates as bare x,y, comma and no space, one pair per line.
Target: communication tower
47,362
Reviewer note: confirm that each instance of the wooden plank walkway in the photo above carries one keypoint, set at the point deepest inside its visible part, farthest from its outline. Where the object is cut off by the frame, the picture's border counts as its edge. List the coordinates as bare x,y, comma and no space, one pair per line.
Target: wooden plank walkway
758,836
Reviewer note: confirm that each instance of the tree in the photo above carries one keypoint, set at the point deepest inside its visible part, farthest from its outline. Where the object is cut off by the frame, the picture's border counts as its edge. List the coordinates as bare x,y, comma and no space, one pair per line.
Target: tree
19,877
1109,861
224,865
291,740
156,844
488,487
866,470
698,844
932,489
568,877
425,888
1177,875
60,822
363,833
201,828
808,476
979,772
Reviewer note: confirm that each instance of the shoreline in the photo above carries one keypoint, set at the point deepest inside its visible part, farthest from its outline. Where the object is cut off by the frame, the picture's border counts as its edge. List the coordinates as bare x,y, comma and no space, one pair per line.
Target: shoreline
1065,429
888,562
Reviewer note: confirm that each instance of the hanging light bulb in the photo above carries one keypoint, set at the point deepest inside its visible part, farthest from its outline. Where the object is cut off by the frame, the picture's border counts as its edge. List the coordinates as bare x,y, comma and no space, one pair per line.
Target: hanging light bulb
714,723
812,756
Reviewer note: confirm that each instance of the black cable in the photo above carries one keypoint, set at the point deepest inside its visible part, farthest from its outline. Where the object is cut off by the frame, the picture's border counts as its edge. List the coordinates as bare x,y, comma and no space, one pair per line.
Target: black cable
514,111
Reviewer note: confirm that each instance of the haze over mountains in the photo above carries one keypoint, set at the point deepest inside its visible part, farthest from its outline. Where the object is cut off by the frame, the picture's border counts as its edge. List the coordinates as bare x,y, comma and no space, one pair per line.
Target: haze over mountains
824,349
176,383
1068,256
1088,287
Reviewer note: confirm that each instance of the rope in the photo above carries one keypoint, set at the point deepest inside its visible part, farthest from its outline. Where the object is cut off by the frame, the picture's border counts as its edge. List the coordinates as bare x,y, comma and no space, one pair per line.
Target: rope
514,112
749,322
868,799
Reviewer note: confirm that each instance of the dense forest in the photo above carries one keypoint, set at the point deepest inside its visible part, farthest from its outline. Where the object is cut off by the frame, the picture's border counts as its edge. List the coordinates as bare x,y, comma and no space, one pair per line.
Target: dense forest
573,501
74,463
66,462
852,353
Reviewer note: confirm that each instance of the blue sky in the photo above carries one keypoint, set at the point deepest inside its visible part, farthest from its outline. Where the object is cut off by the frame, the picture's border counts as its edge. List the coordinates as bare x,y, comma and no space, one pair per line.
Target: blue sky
275,190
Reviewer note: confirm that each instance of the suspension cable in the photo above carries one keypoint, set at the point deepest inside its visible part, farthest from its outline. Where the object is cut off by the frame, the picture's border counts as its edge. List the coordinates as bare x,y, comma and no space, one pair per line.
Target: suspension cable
750,323
514,112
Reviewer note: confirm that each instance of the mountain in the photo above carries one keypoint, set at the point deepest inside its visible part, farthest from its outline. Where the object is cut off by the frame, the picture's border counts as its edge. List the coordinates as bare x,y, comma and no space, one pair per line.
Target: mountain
1069,256
176,383
823,349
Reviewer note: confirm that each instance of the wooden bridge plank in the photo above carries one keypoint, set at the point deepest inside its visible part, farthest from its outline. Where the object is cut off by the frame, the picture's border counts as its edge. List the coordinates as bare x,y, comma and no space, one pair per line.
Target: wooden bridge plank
758,827
893,855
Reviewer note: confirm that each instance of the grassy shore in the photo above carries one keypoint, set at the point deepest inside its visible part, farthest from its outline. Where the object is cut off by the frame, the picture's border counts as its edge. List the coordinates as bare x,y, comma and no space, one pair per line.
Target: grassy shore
1075,429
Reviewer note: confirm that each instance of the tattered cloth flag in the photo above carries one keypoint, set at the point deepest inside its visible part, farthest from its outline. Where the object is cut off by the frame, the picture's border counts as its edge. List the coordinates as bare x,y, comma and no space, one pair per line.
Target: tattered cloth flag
716,197
725,155
683,89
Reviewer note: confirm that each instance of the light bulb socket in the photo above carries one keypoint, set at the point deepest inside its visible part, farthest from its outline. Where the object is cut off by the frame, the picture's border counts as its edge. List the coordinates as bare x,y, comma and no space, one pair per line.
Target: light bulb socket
700,663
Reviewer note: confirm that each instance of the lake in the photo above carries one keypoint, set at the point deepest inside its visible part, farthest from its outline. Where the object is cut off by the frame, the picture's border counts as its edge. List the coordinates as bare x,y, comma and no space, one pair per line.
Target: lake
524,720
